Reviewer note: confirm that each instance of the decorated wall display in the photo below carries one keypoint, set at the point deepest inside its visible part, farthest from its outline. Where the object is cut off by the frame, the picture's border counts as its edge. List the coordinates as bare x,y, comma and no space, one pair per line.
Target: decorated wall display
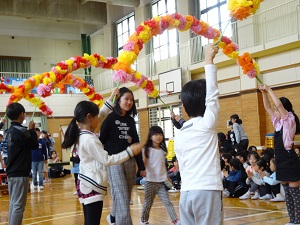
61,74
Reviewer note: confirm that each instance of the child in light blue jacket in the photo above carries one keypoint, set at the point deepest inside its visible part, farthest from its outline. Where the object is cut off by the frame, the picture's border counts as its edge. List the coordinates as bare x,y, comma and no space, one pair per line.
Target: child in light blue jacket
275,185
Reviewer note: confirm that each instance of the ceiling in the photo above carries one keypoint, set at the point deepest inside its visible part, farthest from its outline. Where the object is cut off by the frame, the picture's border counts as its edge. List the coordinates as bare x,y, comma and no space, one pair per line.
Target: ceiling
78,11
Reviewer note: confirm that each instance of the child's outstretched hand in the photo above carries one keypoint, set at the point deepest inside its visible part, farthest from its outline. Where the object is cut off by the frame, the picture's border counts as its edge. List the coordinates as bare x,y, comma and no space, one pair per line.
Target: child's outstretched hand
3,120
31,125
114,93
211,51
264,88
172,115
136,148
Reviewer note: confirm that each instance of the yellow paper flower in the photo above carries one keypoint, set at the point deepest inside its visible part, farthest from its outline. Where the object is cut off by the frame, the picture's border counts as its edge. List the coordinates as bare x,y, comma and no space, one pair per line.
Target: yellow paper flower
137,75
127,57
103,59
256,66
234,4
91,59
145,35
233,55
47,80
70,62
154,94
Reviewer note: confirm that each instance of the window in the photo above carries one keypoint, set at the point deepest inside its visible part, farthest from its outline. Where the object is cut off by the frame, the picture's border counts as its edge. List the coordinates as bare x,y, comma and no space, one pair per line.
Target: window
164,45
125,28
216,14
161,117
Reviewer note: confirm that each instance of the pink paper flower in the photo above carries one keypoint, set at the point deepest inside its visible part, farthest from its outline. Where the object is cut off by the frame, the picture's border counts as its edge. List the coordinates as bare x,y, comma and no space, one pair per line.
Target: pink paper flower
196,28
44,90
252,73
129,46
210,33
76,83
226,40
182,23
120,76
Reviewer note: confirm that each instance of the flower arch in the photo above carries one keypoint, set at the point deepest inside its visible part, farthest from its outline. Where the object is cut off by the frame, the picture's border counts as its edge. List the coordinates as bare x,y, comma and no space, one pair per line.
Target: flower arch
61,73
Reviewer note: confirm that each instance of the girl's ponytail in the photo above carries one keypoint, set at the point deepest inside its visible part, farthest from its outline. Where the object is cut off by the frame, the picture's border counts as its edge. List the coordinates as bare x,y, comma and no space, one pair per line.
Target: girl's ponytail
297,122
71,135
289,107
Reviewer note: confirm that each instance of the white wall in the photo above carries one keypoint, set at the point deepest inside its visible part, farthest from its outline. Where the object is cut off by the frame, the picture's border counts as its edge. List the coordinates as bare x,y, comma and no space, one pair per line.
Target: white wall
46,46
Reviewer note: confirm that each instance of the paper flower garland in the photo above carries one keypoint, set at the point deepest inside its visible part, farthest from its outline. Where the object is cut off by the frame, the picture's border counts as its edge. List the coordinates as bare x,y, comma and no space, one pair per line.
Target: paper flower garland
60,74
241,9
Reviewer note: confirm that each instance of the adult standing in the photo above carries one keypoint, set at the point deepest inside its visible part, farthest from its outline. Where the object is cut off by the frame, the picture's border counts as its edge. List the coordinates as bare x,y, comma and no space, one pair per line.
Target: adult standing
239,132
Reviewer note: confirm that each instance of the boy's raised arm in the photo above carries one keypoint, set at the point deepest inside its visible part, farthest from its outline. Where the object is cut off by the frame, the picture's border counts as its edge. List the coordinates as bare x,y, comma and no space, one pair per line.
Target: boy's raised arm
211,102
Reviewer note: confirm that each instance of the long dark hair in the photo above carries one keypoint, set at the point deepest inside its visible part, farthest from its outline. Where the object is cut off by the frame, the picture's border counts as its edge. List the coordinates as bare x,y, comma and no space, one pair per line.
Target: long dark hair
117,108
80,113
155,130
263,163
237,118
237,165
289,107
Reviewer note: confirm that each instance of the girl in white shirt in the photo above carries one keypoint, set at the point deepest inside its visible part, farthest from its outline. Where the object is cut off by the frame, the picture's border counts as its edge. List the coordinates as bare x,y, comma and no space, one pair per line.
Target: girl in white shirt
154,156
94,160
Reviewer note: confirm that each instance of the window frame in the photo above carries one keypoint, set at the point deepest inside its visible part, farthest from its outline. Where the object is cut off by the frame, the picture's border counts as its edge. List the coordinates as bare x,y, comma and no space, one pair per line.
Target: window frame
159,52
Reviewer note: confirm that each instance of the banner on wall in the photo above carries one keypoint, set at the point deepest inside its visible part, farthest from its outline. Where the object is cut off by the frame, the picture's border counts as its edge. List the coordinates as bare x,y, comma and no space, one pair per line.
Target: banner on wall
17,82
65,89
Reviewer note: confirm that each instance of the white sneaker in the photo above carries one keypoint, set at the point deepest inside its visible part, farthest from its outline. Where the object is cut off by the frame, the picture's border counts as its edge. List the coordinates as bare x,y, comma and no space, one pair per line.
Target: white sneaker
265,197
247,195
35,187
142,187
108,220
278,198
255,196
41,187
144,223
173,190
226,193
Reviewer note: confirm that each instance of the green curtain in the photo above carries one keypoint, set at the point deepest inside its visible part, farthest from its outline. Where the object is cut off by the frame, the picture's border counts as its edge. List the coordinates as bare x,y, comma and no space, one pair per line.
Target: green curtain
86,48
14,65
44,122
115,40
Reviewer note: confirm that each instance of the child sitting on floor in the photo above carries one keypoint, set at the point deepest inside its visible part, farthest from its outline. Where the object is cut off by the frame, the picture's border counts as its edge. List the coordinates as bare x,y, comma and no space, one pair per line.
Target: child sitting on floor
234,180
263,191
56,170
274,184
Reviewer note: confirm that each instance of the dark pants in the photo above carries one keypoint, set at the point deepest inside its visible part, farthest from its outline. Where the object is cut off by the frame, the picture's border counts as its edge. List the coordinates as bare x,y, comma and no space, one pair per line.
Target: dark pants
234,188
92,213
275,189
263,190
76,178
245,143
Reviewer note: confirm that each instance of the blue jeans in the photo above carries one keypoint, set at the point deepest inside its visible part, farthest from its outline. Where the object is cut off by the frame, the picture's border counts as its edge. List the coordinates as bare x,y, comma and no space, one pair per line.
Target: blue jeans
37,167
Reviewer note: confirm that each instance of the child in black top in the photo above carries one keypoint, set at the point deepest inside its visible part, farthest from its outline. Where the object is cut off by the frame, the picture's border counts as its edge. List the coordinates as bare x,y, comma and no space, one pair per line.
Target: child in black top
118,131
20,141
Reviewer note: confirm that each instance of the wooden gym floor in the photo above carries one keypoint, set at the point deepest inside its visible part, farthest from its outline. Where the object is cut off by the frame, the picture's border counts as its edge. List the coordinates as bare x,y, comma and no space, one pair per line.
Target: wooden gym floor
57,205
